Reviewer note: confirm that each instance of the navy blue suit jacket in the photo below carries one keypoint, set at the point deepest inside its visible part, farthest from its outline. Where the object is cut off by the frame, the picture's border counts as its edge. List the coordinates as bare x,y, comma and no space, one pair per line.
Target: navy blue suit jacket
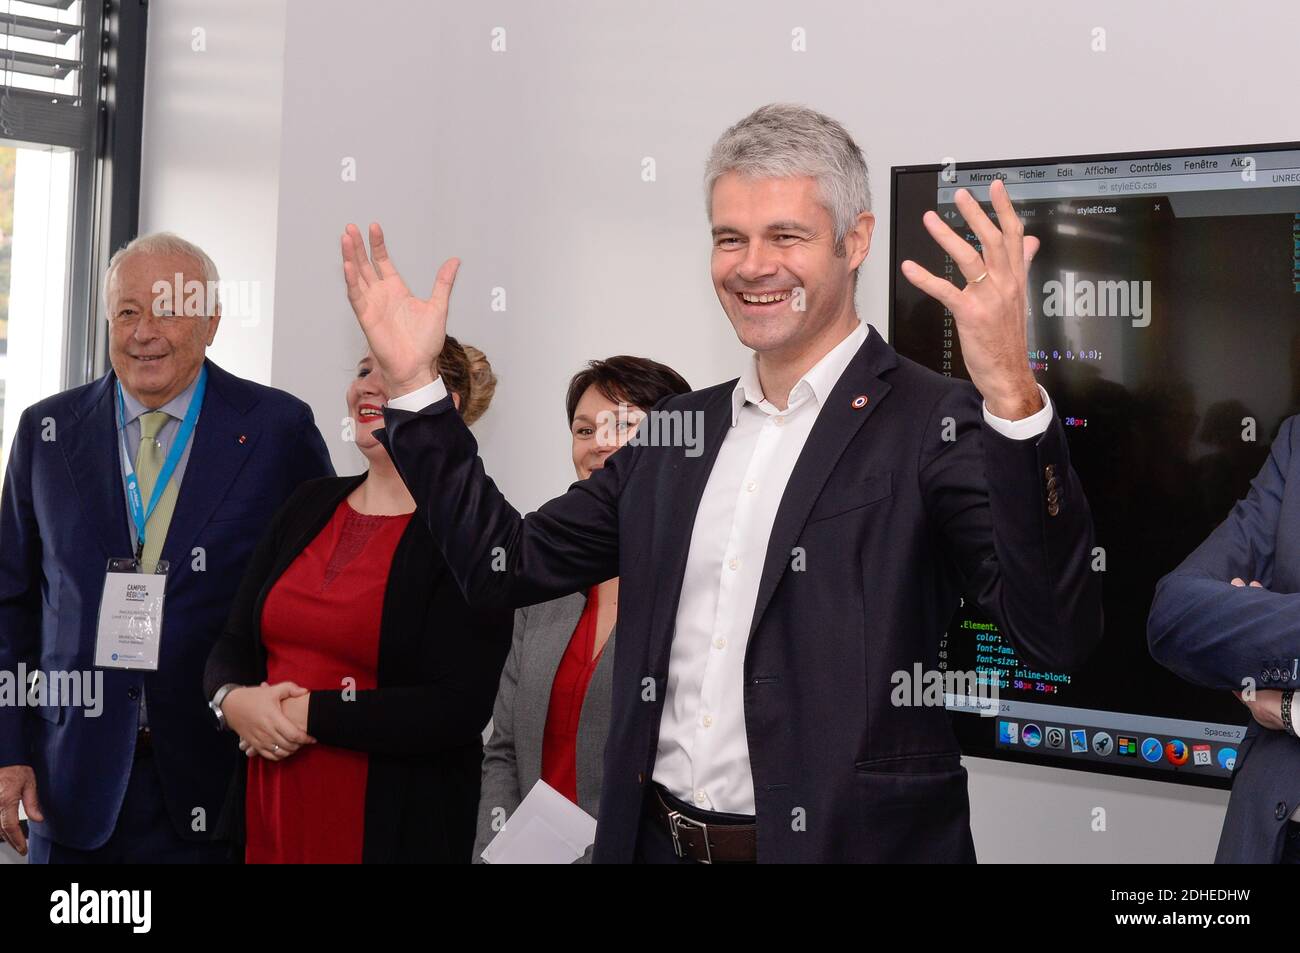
884,523
1221,636
62,516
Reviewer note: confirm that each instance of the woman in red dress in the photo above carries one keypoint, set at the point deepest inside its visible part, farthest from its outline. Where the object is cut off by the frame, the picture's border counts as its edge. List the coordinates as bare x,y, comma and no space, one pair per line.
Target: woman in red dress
358,680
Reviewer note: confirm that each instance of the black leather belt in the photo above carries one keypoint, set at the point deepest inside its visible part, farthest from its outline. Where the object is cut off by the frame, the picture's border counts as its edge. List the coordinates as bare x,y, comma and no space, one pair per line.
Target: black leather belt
701,836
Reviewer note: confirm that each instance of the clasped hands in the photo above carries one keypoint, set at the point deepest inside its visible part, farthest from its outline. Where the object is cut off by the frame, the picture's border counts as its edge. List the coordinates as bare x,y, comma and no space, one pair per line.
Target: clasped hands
271,720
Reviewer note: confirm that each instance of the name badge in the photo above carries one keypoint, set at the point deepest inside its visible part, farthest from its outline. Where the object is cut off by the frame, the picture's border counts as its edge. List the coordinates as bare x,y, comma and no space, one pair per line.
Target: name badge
130,616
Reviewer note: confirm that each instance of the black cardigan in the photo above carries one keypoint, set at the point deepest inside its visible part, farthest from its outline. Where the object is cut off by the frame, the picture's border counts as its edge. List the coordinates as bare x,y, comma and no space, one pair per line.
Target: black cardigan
439,664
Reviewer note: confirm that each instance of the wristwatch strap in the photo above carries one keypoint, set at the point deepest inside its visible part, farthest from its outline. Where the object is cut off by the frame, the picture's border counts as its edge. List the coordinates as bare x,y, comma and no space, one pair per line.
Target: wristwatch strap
1287,724
217,699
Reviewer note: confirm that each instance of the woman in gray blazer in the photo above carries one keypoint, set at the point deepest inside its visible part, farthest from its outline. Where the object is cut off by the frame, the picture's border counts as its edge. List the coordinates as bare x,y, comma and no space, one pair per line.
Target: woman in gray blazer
551,716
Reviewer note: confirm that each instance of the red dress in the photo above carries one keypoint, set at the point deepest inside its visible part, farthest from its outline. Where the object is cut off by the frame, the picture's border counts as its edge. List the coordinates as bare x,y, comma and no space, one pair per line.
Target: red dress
560,737
320,626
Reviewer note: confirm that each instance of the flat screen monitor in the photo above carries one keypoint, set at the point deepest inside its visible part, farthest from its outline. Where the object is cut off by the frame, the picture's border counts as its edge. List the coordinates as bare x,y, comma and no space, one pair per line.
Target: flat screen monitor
1165,325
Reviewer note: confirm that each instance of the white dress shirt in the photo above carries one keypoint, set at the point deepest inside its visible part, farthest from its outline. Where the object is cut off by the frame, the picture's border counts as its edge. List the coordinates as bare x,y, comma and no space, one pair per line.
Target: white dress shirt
703,753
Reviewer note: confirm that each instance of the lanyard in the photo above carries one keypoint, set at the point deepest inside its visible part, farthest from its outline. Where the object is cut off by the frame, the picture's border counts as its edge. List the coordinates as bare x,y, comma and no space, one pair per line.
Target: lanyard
139,515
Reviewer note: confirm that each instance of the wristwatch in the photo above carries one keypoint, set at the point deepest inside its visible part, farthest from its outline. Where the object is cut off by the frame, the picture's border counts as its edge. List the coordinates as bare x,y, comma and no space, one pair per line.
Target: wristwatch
217,699
1287,723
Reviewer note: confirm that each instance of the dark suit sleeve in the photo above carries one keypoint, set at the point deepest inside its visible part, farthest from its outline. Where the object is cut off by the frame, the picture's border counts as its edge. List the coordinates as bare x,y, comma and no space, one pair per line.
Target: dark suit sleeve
1030,569
312,457
448,711
1218,635
498,557
20,585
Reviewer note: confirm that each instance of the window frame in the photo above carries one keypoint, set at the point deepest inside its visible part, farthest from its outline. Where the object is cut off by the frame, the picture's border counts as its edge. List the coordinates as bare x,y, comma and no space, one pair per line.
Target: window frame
106,187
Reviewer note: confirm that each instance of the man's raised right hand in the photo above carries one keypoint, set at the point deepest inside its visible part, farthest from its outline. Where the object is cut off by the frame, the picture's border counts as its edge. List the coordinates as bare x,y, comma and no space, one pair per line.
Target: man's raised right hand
405,333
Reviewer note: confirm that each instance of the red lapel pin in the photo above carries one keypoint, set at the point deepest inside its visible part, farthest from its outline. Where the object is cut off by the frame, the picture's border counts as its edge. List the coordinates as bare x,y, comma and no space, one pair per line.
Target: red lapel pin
859,402
243,439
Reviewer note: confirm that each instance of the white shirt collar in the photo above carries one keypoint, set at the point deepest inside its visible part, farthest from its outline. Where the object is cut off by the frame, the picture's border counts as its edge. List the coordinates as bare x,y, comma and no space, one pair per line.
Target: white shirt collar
816,384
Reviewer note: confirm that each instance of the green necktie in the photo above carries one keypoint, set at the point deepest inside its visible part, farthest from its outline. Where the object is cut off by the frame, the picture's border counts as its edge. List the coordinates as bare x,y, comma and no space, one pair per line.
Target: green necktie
148,463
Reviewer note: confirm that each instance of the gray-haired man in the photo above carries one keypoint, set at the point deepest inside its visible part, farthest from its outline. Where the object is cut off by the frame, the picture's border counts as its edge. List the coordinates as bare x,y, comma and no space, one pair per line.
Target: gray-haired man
171,468
771,587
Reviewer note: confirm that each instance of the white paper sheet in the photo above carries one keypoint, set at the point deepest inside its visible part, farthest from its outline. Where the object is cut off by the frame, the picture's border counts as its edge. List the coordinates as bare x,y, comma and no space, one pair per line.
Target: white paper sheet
546,828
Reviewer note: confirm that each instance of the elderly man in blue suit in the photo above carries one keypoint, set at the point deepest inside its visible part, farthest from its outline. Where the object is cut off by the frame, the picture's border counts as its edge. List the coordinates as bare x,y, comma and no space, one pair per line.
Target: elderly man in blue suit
140,774
1229,618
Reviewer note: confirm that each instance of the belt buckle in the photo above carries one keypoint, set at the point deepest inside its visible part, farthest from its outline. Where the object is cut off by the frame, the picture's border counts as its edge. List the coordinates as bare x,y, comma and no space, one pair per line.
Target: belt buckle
676,818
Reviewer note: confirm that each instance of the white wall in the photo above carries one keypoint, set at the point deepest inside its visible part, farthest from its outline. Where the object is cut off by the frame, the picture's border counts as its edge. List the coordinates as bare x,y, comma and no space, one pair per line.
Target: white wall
210,169
527,165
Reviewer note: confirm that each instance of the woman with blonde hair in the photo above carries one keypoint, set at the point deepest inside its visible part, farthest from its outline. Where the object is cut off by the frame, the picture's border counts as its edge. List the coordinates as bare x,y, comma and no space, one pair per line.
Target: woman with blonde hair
354,673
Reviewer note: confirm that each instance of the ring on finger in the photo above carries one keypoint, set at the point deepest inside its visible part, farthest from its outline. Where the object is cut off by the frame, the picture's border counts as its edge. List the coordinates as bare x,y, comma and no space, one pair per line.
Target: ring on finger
975,281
